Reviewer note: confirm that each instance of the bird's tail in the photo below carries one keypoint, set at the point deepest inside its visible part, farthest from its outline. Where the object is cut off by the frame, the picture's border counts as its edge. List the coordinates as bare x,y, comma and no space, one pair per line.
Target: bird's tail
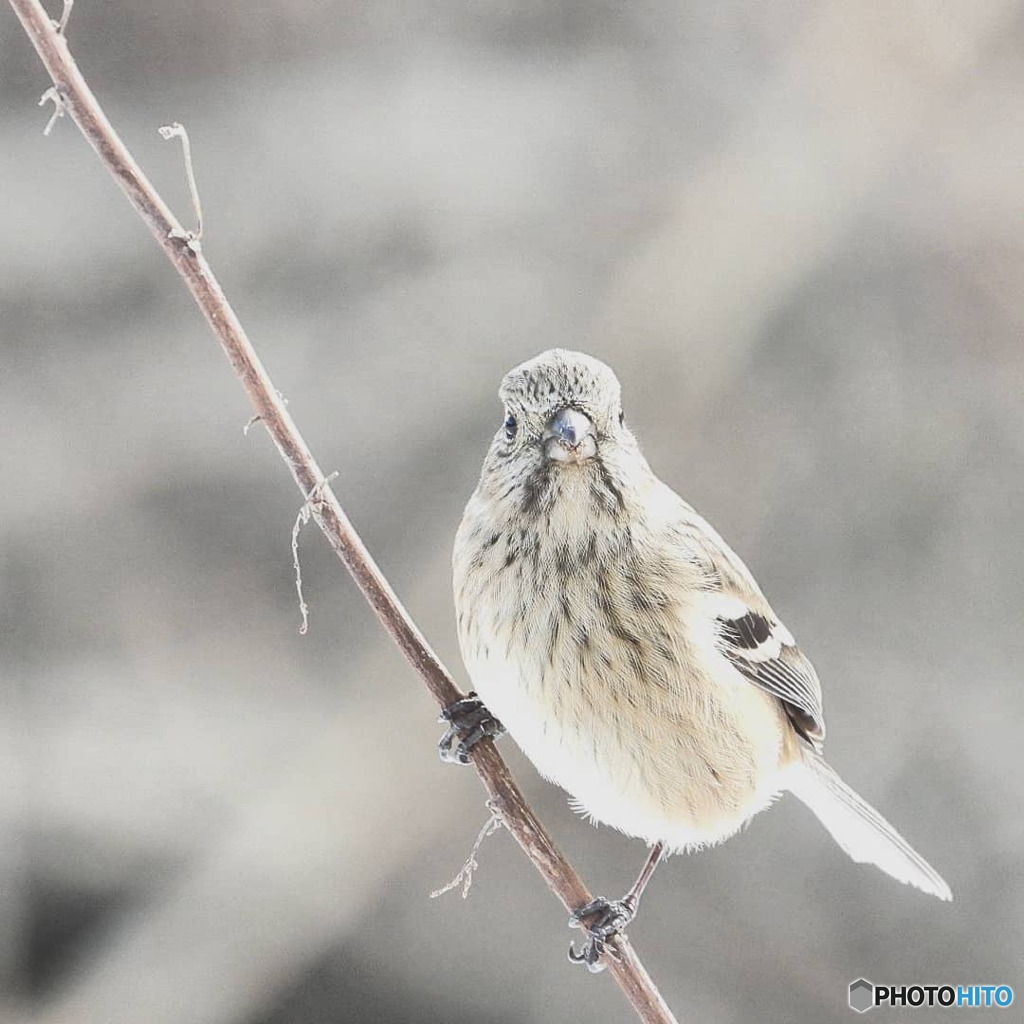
859,829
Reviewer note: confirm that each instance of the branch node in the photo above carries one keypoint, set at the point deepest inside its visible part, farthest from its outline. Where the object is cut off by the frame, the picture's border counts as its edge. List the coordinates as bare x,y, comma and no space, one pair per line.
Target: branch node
314,497
55,96
190,238
465,875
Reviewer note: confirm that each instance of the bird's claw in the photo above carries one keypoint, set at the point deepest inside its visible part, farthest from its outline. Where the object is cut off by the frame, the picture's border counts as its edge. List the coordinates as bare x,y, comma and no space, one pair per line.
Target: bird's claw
469,722
609,918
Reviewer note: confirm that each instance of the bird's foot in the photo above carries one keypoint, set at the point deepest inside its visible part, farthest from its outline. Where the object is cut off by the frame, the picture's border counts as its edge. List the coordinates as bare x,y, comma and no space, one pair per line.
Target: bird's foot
469,722
607,918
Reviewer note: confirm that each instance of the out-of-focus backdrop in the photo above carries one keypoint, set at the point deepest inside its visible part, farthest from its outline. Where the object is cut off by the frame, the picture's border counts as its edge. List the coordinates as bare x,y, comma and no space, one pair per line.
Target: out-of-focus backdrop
795,231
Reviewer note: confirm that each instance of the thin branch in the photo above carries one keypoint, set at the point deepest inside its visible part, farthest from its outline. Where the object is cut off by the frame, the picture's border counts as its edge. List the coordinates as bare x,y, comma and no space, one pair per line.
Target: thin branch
504,795
52,96
305,514
464,878
65,15
170,131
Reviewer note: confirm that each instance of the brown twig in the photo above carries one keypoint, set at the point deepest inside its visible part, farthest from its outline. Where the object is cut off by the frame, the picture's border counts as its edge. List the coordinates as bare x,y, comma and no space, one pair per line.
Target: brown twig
71,93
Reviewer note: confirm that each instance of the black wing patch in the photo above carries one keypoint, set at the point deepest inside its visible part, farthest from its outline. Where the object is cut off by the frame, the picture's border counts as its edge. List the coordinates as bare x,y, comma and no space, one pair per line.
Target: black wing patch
754,647
747,633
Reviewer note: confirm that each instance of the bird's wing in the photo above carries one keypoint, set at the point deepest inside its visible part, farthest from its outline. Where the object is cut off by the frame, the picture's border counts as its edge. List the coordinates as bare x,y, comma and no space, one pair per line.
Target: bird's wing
749,634
764,651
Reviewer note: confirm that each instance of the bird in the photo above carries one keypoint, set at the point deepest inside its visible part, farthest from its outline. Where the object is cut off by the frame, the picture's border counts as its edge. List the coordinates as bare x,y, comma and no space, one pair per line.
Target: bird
628,651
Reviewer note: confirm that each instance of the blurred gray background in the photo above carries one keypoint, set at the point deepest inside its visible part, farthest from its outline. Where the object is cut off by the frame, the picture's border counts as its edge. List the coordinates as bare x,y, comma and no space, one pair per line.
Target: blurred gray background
794,229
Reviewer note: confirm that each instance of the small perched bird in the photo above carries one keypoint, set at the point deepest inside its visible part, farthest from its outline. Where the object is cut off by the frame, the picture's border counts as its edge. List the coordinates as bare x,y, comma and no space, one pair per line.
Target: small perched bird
627,649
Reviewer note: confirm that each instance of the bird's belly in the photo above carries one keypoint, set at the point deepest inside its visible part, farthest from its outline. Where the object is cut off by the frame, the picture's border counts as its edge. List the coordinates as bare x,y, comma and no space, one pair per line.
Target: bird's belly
684,760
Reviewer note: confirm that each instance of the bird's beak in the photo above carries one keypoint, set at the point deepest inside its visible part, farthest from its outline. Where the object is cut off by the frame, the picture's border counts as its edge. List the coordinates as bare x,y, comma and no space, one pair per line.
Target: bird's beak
570,437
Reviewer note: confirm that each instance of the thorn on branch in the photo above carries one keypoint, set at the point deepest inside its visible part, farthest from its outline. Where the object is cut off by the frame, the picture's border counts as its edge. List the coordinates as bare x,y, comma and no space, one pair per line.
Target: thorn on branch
190,238
465,875
253,420
314,496
55,96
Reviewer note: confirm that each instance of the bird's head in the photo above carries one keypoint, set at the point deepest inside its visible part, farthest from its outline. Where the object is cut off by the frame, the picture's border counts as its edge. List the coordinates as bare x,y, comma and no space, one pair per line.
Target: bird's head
563,434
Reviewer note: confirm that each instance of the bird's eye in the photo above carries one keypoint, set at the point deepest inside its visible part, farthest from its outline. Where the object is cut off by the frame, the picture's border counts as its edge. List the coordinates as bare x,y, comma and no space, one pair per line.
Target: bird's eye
510,427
